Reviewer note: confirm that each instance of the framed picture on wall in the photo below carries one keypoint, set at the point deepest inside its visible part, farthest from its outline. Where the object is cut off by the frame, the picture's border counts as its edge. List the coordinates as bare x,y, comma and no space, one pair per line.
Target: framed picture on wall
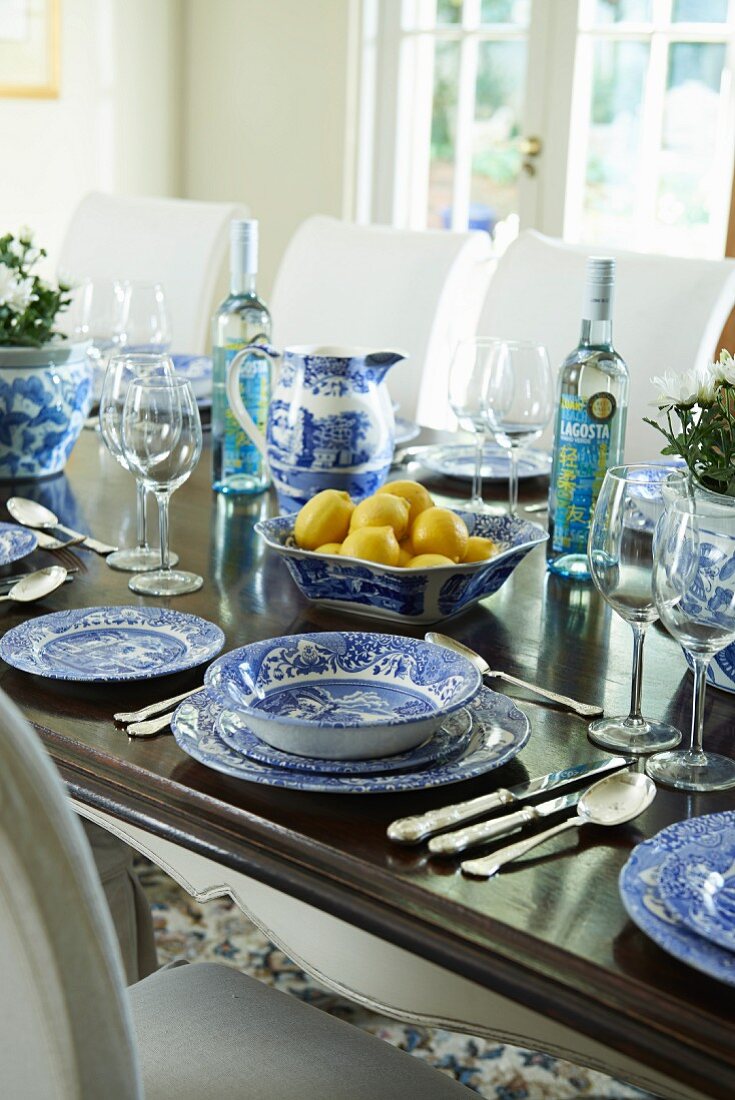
29,48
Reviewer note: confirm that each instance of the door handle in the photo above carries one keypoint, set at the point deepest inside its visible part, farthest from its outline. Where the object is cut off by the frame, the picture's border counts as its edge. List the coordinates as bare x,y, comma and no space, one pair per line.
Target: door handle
530,146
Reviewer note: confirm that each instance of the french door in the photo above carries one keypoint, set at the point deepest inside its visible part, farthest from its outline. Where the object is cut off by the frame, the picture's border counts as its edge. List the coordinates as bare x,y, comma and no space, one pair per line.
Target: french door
600,121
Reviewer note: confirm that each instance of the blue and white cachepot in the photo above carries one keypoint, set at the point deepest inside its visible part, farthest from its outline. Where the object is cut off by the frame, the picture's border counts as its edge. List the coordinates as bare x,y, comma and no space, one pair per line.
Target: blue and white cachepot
45,395
330,421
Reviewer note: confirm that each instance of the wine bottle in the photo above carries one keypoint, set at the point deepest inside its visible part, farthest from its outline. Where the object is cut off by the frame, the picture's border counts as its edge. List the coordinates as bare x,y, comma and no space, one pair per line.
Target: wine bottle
590,425
242,320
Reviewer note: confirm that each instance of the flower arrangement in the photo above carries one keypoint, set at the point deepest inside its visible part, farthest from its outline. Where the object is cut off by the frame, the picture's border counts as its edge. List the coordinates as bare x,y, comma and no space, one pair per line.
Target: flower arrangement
28,305
702,401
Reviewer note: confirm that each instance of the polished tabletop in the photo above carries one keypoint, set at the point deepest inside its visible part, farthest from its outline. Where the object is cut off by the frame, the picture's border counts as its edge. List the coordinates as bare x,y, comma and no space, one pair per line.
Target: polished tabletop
550,931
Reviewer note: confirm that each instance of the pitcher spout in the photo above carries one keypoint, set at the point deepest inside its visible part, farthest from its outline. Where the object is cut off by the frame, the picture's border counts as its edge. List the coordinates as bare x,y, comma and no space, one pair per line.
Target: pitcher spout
382,361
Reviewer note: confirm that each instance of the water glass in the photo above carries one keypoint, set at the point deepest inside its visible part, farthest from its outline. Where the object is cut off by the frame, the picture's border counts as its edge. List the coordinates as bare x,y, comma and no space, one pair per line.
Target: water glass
620,553
121,372
467,388
162,442
694,588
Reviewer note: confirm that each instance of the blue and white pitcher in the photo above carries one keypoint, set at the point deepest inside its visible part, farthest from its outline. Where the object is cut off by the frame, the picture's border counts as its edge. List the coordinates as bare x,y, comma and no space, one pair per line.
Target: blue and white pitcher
330,422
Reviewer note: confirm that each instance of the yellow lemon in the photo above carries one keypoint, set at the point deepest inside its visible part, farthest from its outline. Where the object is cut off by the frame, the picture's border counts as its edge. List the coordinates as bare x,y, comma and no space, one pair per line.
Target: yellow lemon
429,561
381,511
412,491
324,518
378,544
329,548
405,555
480,549
440,531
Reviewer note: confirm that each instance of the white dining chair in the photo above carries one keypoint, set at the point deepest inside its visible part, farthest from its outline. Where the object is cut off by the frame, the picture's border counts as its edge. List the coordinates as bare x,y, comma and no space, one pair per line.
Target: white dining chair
668,313
70,1030
419,291
180,244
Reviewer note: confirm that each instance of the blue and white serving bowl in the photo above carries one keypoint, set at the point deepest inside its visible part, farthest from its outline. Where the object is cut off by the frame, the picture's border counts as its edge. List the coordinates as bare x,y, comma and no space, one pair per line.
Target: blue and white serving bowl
343,695
404,595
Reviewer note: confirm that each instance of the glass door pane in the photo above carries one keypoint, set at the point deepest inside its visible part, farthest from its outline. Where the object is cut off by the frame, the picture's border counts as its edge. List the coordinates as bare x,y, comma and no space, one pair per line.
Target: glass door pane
443,134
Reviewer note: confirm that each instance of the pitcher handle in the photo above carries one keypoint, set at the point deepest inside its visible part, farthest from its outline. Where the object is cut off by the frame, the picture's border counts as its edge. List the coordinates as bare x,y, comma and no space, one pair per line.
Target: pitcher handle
232,385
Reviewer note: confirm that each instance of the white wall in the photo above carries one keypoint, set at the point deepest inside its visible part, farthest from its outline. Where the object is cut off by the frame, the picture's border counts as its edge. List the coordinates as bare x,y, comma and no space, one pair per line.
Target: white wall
265,110
114,126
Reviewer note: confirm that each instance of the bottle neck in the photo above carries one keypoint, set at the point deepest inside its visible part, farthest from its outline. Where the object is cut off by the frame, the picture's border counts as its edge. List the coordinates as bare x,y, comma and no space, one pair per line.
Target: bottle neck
596,334
242,283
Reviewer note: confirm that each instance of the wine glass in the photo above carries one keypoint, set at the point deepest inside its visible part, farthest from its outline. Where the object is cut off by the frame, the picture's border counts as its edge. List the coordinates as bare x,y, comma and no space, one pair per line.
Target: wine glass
162,441
620,553
121,372
519,398
141,321
694,587
467,400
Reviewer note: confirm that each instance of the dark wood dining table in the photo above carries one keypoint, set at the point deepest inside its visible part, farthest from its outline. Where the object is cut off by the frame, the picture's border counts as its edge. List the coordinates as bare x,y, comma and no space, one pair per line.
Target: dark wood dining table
549,933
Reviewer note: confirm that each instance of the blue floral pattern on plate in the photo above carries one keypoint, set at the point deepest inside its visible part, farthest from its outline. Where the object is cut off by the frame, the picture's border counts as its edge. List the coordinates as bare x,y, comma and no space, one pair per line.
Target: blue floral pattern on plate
697,882
458,460
15,542
451,739
641,896
500,730
108,644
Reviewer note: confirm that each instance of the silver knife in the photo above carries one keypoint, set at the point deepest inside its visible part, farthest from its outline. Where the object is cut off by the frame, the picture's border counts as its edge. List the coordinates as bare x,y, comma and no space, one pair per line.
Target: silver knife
412,830
449,843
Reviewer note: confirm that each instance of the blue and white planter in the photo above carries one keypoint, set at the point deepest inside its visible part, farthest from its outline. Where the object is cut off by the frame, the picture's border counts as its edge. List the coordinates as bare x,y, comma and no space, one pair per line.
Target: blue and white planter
45,396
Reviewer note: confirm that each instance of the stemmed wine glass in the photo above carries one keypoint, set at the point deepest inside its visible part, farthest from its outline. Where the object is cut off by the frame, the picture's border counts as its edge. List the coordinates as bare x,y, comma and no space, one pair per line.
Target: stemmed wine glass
694,587
621,555
141,321
519,398
162,441
467,384
121,372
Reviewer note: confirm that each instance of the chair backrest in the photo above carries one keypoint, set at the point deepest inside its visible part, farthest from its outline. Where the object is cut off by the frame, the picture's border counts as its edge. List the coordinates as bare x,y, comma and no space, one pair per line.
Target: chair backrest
419,291
181,244
668,314
66,1030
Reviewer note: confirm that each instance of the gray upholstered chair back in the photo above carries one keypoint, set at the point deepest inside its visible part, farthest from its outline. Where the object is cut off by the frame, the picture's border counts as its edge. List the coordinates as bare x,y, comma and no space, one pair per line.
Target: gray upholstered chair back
65,1028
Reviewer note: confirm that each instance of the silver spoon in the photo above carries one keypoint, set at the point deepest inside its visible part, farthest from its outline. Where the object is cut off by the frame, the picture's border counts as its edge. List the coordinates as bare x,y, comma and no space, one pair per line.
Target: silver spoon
32,514
586,710
611,801
36,585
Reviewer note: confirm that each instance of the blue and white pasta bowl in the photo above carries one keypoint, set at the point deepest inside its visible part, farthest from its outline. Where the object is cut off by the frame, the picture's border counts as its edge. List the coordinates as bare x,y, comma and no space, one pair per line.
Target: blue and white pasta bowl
343,695
404,595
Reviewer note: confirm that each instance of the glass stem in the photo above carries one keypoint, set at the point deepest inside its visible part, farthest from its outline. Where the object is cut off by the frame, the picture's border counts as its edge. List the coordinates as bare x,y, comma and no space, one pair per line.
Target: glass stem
701,664
513,482
141,515
639,637
476,501
163,499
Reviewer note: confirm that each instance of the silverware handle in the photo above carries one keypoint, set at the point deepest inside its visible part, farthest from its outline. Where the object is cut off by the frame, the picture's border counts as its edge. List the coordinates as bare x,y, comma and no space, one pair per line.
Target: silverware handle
153,708
48,542
585,709
87,540
487,866
450,843
147,729
412,830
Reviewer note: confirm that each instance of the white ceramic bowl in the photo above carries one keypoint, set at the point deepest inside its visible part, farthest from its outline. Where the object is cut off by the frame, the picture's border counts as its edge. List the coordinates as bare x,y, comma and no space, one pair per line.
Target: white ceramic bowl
343,695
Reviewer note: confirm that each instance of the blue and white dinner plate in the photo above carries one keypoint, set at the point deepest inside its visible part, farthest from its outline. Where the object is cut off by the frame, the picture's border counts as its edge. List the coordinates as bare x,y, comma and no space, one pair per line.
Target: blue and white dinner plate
197,370
458,460
452,738
500,730
15,542
641,895
108,644
697,882
406,430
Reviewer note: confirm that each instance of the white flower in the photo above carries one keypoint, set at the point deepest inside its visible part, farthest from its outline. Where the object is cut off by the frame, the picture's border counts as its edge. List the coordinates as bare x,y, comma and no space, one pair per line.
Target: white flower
708,382
25,234
14,292
17,248
676,389
724,368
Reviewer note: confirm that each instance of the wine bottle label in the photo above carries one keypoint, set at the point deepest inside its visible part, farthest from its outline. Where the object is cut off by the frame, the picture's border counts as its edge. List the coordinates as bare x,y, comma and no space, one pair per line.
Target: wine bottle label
239,453
585,429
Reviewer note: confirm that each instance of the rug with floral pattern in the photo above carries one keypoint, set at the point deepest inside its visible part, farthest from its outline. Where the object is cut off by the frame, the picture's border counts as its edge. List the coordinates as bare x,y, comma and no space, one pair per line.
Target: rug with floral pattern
219,932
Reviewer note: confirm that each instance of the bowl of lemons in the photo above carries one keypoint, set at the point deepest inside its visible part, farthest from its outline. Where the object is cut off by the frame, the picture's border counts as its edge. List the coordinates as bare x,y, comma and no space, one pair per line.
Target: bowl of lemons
396,555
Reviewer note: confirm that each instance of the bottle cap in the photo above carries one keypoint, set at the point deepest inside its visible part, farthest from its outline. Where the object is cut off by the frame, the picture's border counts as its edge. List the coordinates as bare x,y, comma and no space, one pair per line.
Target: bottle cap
601,269
244,246
599,289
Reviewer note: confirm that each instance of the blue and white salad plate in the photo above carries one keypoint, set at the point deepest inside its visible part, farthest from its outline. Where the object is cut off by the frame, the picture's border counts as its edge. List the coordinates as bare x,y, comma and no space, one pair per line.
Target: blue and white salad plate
451,738
197,370
500,730
406,430
343,695
109,644
646,907
15,542
697,882
458,460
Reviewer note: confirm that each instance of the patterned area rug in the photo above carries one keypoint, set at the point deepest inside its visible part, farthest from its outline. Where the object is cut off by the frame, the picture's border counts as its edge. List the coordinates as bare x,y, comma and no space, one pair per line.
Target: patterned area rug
218,932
